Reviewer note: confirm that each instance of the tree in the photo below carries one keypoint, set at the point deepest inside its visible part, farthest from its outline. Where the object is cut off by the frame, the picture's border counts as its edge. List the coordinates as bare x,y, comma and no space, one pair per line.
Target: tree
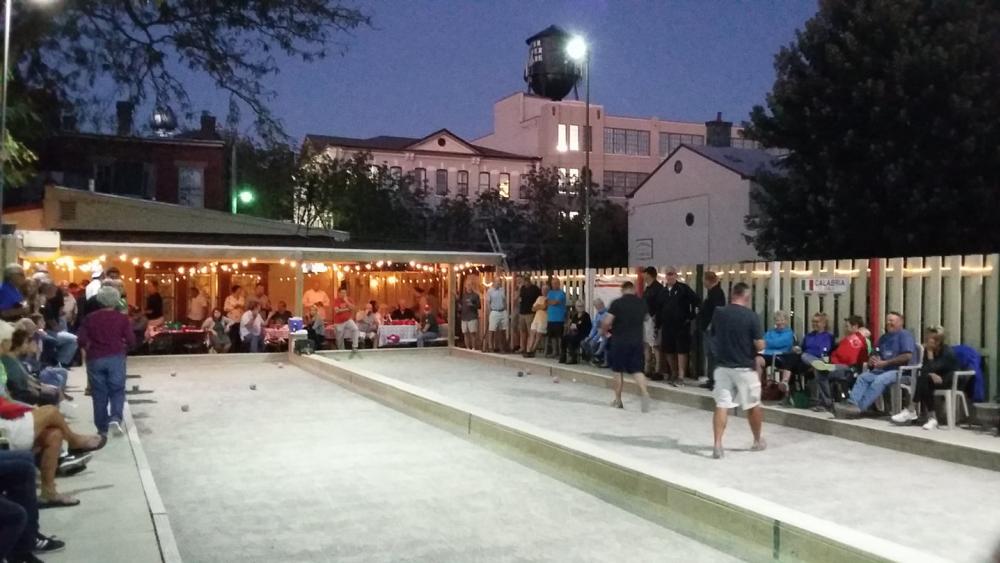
548,196
138,46
268,171
889,110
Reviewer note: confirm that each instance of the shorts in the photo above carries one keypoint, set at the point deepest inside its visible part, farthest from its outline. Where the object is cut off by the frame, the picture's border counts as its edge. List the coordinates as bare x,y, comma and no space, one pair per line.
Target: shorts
498,320
736,386
20,431
555,329
524,322
675,339
470,327
650,334
626,357
539,326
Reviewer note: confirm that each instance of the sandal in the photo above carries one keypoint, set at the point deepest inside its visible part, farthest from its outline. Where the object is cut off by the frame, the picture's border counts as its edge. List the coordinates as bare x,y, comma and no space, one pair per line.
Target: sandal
57,501
92,443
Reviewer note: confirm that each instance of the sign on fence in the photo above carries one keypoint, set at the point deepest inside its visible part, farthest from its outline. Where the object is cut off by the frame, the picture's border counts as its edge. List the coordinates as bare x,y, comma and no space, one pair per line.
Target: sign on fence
609,287
825,285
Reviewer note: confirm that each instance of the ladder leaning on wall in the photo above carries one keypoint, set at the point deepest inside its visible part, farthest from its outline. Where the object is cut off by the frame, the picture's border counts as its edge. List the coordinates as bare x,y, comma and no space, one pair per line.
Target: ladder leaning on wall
491,235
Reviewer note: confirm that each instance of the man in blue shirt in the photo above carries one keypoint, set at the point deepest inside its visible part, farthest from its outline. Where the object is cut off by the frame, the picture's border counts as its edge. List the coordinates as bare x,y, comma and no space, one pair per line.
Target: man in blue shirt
556,301
12,305
896,348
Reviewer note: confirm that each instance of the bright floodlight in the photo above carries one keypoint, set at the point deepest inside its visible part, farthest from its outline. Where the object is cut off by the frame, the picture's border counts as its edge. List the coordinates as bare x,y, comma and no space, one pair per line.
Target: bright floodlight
576,48
246,196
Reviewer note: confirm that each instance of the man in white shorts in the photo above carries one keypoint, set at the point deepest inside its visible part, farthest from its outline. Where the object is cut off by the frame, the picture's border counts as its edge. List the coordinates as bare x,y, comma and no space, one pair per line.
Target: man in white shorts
737,337
496,300
470,315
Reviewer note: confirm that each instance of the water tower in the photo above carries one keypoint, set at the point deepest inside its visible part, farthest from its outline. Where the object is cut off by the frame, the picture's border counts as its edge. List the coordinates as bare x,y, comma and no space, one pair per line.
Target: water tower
550,72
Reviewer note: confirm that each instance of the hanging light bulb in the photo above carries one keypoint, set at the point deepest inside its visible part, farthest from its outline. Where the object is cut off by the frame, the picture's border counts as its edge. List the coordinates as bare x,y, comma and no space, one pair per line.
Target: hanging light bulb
135,261
123,257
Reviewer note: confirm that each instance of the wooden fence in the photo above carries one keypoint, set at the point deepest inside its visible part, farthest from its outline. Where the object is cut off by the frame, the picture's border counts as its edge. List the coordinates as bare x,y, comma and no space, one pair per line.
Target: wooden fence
960,293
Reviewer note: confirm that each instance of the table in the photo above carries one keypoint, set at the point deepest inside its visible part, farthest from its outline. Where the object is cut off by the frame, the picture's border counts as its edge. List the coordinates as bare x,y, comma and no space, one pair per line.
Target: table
177,341
391,335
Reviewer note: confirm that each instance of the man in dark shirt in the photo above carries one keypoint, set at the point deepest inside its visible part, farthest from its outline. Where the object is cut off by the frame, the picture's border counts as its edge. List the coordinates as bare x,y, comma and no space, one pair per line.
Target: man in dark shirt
624,320
651,293
402,312
526,297
154,305
713,298
737,337
678,303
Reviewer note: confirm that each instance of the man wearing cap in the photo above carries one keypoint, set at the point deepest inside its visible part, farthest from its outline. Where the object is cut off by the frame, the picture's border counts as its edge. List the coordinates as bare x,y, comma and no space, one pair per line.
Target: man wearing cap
96,280
651,293
12,302
678,304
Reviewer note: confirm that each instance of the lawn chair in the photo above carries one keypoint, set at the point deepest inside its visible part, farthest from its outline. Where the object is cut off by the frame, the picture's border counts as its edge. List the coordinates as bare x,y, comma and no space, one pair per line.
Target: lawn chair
954,396
906,379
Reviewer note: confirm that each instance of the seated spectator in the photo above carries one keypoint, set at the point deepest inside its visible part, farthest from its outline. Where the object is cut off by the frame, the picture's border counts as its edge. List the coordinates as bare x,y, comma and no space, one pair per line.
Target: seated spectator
896,348
343,320
19,535
217,327
778,342
594,343
42,430
539,325
368,322
252,328
816,345
138,321
938,369
850,353
429,329
59,345
316,327
280,315
28,356
402,312
22,386
13,299
578,326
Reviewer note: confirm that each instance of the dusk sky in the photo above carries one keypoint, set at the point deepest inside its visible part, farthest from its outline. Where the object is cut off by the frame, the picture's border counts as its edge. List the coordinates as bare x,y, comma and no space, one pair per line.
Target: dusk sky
433,64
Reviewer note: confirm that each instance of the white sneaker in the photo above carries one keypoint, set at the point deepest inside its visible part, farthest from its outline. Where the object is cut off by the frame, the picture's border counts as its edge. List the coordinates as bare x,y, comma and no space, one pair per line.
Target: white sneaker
703,379
116,428
931,424
905,416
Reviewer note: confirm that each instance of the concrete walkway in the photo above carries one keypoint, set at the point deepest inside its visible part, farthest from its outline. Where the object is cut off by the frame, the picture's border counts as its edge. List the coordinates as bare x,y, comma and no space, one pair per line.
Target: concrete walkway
299,469
112,523
936,506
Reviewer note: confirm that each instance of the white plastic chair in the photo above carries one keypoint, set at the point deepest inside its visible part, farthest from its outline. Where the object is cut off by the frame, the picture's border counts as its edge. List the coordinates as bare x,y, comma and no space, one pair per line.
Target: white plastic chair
910,373
953,396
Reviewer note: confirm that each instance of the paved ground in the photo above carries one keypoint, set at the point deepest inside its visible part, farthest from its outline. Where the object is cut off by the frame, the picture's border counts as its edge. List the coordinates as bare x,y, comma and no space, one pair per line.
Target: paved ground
302,470
112,523
944,508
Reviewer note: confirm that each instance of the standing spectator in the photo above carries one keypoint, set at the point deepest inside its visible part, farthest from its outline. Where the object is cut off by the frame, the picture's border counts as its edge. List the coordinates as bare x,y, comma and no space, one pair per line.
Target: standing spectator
678,303
539,324
343,320
625,321
316,296
526,297
652,292
106,336
714,297
217,327
470,315
895,349
515,321
13,301
578,326
252,328
260,296
96,281
233,308
154,306
496,299
556,301
737,337
197,307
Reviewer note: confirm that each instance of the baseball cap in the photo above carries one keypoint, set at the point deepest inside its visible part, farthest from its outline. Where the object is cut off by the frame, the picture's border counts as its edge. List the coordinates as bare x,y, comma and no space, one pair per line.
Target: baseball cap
98,272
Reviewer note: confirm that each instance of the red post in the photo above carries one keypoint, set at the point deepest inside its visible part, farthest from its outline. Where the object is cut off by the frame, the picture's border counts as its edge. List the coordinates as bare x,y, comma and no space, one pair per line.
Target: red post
874,298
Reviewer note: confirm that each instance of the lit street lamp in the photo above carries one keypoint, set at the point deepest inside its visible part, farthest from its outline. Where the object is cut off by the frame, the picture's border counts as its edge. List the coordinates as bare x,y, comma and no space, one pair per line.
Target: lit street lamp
243,196
576,49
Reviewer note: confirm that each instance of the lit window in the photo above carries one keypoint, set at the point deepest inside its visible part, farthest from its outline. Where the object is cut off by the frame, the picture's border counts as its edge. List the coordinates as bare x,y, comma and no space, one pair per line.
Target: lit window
504,185
570,214
561,144
574,137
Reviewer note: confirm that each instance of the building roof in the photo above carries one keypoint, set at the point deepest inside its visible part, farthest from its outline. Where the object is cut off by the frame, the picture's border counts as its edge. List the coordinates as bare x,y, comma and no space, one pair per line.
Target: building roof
174,140
392,143
548,31
745,162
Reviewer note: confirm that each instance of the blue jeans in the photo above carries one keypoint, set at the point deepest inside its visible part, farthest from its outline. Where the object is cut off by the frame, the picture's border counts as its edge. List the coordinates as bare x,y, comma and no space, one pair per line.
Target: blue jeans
252,343
56,377
425,337
869,387
107,389
823,378
18,505
61,345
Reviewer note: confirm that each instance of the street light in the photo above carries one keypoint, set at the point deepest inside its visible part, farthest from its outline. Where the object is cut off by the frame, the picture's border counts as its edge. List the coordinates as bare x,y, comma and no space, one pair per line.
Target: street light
244,196
8,8
576,49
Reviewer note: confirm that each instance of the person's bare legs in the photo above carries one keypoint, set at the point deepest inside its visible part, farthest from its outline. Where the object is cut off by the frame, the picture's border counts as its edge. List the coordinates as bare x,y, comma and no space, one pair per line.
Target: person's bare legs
672,362
640,381
658,358
618,383
755,417
490,338
718,429
49,445
682,366
49,417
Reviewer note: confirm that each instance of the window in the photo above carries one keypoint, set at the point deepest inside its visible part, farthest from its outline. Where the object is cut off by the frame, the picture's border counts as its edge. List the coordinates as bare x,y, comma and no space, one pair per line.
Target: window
574,137
504,185
484,181
420,178
567,137
561,144
568,178
395,172
191,186
569,214
536,50
632,142
463,182
441,182
670,141
741,143
620,184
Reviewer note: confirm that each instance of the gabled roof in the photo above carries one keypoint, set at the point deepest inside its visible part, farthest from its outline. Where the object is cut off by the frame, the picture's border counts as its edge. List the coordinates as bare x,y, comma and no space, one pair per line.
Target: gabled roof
391,143
745,162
